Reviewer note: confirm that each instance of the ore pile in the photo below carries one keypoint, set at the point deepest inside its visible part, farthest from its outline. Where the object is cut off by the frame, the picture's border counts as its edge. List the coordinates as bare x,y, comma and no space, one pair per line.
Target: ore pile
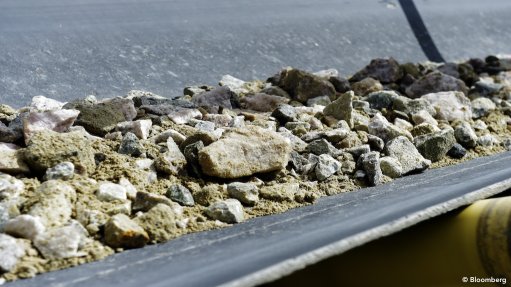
84,179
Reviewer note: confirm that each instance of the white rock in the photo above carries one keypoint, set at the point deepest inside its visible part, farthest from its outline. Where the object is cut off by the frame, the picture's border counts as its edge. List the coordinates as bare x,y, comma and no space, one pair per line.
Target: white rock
403,124
450,106
64,170
228,211
25,226
109,191
379,126
62,242
140,128
145,164
10,159
236,85
326,167
10,187
406,154
42,103
57,120
487,140
247,193
131,190
482,107
10,252
183,116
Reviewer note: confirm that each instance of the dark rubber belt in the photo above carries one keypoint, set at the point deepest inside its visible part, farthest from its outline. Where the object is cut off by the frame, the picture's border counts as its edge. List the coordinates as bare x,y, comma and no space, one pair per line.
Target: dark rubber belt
421,31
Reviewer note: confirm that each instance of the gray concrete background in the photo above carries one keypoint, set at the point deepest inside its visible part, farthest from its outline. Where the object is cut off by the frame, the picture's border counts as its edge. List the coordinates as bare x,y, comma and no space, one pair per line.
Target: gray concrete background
69,49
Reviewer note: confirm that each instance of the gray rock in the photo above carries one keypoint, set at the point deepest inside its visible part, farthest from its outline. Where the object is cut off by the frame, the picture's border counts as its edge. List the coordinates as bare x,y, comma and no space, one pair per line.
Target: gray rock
183,116
391,167
228,211
8,135
487,140
130,145
371,165
423,116
64,171
436,145
375,142
465,135
276,91
384,70
263,102
302,86
10,251
181,195
457,151
284,113
326,167
282,192
25,226
402,149
482,107
297,144
62,242
191,153
341,85
170,133
487,89
195,90
101,118
322,146
172,161
412,106
506,143
121,231
435,82
246,193
212,101
236,85
357,151
109,191
379,126
300,164
450,106
336,135
243,152
341,108
381,99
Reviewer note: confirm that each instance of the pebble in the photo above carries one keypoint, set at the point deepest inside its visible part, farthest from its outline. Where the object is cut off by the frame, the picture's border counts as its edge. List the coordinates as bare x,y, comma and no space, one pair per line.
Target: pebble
381,100
465,135
487,140
326,167
457,151
140,128
341,108
302,86
160,223
371,165
391,167
64,171
379,126
263,102
482,107
228,211
11,159
450,106
172,161
436,82
384,70
109,191
402,149
322,146
284,113
130,145
435,146
243,152
181,195
10,187
62,242
246,193
10,251
121,231
212,101
24,226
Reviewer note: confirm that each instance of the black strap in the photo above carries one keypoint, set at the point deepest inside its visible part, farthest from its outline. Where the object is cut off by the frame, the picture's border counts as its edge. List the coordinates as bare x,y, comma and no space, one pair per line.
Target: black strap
420,31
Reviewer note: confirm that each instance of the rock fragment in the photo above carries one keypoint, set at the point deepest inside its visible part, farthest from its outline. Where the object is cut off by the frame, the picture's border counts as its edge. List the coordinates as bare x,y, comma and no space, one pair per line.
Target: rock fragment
371,165
465,135
326,167
140,128
391,167
341,108
64,171
243,152
159,223
436,145
246,193
302,85
121,231
482,107
55,203
450,106
56,120
25,226
62,242
457,151
379,126
181,195
10,251
11,159
384,70
402,149
172,161
212,101
435,82
130,145
228,211
109,191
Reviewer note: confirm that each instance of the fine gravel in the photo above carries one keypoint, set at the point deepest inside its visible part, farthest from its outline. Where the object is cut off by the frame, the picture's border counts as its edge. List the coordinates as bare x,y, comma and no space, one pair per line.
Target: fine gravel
85,179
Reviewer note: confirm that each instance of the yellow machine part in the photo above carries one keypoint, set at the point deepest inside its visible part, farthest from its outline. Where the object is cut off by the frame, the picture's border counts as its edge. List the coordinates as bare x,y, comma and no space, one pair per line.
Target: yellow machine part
471,245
